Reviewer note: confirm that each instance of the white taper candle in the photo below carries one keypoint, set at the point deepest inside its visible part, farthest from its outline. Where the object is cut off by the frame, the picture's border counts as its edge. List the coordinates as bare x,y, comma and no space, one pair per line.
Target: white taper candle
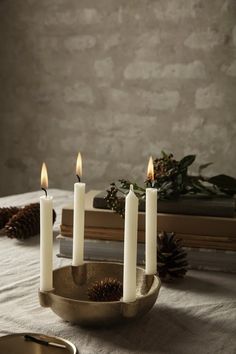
151,223
46,236
78,217
151,231
130,246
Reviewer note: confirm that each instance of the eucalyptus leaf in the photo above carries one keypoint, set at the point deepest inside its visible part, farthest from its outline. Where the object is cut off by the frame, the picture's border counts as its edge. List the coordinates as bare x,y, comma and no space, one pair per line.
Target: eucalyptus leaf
202,167
166,186
187,161
223,181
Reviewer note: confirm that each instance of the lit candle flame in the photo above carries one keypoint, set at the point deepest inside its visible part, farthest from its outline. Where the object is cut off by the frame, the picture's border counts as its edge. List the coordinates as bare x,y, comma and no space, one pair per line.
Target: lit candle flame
44,176
150,169
79,166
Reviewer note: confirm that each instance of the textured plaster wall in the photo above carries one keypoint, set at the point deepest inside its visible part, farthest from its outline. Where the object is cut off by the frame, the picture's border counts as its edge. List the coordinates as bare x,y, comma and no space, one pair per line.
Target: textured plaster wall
118,80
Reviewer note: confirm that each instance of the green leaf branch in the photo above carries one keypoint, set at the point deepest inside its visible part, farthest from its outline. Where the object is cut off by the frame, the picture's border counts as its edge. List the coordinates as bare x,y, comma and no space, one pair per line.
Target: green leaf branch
172,180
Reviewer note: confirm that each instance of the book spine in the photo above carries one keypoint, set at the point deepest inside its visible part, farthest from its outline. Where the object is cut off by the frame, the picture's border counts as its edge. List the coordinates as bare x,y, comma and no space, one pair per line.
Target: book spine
197,241
223,207
182,224
113,251
97,250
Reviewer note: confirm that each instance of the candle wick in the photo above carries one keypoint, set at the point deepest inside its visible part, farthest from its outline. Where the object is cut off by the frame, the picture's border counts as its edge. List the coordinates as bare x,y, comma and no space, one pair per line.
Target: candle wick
79,179
45,190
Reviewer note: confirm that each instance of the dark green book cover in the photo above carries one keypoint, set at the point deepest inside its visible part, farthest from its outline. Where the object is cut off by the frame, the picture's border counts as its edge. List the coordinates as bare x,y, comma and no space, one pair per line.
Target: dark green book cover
186,205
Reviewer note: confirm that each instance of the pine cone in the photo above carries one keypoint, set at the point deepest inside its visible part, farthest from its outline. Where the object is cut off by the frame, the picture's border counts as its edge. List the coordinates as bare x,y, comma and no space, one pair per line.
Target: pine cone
26,222
171,257
6,214
108,289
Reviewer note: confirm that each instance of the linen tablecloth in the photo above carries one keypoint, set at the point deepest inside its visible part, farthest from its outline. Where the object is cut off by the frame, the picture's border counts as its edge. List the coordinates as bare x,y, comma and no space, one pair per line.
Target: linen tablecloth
195,315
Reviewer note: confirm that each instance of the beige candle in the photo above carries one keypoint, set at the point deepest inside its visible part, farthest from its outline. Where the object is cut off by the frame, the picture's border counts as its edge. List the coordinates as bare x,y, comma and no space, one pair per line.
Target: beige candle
46,235
130,246
151,224
78,221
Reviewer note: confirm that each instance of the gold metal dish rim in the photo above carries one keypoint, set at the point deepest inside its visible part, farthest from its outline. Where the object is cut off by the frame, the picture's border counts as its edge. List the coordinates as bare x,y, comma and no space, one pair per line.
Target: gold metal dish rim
69,345
156,284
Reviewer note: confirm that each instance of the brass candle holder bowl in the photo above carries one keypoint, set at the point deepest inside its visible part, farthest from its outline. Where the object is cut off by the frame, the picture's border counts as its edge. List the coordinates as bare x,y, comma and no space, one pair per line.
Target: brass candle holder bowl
69,299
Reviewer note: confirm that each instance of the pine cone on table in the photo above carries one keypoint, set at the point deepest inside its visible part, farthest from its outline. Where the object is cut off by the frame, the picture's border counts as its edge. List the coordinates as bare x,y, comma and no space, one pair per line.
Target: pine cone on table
25,223
171,257
108,289
6,213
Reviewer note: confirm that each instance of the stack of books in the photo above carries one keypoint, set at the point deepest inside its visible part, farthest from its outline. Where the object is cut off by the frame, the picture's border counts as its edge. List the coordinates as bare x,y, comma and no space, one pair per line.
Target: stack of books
214,236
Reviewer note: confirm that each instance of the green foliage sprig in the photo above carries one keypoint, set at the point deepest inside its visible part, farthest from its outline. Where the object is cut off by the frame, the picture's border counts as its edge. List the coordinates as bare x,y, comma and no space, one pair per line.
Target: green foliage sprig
172,180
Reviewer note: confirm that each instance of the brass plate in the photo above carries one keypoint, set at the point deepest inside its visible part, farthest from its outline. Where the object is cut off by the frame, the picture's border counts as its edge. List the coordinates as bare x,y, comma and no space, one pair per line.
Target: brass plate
16,344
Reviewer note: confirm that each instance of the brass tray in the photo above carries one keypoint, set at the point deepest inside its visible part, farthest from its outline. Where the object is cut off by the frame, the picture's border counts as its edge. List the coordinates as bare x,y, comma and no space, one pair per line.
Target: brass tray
16,344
